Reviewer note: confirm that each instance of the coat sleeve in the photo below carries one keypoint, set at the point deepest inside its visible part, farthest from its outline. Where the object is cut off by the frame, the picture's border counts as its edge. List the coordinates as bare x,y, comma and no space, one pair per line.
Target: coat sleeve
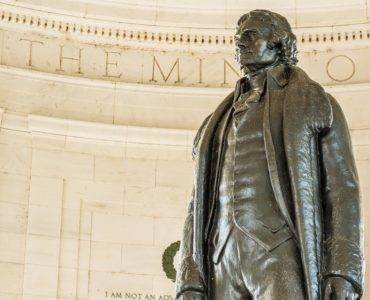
343,229
188,277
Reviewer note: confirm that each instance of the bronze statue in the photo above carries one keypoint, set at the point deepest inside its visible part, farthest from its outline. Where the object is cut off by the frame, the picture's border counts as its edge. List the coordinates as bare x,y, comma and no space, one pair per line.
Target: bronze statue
275,211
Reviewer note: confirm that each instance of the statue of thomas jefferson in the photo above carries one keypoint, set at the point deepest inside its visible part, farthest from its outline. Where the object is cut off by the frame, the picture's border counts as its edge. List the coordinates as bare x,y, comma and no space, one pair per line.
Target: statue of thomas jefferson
275,208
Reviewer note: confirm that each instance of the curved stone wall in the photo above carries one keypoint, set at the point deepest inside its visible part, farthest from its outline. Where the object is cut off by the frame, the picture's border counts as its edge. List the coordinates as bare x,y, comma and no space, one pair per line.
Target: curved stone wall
100,101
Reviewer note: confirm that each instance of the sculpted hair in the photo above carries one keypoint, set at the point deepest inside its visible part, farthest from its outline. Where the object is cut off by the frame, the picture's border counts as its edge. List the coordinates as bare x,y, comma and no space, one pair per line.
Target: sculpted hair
282,34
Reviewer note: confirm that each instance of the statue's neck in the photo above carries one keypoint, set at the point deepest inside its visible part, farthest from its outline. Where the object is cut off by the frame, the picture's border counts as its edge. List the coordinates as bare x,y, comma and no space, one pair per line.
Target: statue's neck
256,78
256,81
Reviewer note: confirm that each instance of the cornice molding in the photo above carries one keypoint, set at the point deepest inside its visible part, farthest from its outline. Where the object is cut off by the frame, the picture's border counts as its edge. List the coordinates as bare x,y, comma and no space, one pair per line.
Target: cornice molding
147,36
149,88
108,132
37,124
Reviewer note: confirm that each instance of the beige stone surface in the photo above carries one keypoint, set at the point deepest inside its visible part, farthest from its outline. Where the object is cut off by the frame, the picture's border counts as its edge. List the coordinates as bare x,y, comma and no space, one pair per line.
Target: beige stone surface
11,278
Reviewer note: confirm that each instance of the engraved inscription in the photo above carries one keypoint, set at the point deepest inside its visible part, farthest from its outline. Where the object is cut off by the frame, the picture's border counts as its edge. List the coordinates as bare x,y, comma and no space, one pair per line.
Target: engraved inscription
63,58
109,62
31,44
164,77
135,296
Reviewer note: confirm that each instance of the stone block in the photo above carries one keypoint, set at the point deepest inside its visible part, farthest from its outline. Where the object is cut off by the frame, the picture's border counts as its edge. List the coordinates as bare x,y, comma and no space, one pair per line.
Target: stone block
155,202
69,253
11,296
174,173
106,257
15,159
142,260
167,231
46,191
12,247
62,164
360,137
84,255
161,152
42,250
363,168
11,277
131,172
14,188
70,223
67,283
362,152
15,138
13,217
163,286
48,141
157,136
40,280
95,147
101,282
122,229
44,221
91,191
82,284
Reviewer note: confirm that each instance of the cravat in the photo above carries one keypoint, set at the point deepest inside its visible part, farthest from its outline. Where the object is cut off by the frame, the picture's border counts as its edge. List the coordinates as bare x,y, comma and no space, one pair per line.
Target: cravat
244,100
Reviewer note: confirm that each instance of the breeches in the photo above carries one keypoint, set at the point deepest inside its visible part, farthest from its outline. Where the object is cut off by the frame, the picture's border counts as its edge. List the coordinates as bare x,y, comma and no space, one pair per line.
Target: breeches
248,271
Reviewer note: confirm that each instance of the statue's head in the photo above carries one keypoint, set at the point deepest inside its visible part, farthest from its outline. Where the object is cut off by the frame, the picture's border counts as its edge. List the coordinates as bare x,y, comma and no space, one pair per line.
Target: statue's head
264,38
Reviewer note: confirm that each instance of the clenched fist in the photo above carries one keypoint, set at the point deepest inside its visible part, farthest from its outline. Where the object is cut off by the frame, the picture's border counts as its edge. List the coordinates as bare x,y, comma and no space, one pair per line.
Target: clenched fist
337,288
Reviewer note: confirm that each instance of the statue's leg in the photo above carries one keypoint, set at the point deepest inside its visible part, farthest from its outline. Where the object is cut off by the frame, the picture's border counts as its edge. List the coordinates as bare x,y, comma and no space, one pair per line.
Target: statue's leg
226,282
285,273
275,274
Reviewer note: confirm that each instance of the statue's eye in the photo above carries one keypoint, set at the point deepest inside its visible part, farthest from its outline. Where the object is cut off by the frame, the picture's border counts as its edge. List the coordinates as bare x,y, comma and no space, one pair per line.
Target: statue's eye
248,35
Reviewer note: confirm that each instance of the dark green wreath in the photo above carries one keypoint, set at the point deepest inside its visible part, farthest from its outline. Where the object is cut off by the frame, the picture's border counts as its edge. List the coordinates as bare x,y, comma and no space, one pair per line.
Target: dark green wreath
168,260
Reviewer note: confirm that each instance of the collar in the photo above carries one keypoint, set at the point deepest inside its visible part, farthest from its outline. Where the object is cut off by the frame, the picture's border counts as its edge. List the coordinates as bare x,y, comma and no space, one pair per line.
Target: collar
279,73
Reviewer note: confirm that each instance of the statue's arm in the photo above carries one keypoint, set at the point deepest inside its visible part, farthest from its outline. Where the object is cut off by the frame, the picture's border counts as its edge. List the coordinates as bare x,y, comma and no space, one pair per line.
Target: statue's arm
188,279
342,245
189,284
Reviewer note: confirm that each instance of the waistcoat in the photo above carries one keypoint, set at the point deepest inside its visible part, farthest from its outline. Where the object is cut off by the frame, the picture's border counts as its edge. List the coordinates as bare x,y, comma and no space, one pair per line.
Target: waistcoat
245,198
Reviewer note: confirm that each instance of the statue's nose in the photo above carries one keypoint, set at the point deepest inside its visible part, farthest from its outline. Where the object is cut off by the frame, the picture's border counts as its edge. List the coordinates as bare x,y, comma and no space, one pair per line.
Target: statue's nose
241,46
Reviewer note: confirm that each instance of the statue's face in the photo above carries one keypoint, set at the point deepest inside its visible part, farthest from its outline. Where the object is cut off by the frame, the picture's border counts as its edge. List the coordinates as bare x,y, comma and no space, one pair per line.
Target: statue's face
252,48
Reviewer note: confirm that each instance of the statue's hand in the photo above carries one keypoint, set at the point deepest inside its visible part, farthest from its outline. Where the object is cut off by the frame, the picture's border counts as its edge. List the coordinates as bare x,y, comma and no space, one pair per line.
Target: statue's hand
337,288
192,295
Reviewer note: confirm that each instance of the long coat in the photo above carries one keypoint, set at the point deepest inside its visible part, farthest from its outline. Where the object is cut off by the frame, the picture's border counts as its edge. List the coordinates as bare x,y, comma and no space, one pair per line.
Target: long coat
325,216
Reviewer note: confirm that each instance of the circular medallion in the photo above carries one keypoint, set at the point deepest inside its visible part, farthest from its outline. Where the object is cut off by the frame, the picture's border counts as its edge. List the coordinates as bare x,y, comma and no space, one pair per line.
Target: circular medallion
340,68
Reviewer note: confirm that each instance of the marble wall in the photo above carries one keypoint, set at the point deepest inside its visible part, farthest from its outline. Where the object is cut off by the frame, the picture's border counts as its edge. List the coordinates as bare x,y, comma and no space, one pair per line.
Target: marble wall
87,210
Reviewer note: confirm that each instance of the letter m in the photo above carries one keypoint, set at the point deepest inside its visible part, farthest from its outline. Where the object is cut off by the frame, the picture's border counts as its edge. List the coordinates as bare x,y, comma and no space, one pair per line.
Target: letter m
165,78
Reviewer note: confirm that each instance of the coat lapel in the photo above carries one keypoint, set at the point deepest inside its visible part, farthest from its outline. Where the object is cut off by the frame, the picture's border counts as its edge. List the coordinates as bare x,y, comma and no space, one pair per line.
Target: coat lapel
271,153
202,184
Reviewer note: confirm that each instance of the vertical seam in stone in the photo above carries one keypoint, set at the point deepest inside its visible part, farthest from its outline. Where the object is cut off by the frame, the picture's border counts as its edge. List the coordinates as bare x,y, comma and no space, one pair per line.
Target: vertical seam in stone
114,103
27,216
123,200
94,161
89,270
121,264
2,48
78,251
60,236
